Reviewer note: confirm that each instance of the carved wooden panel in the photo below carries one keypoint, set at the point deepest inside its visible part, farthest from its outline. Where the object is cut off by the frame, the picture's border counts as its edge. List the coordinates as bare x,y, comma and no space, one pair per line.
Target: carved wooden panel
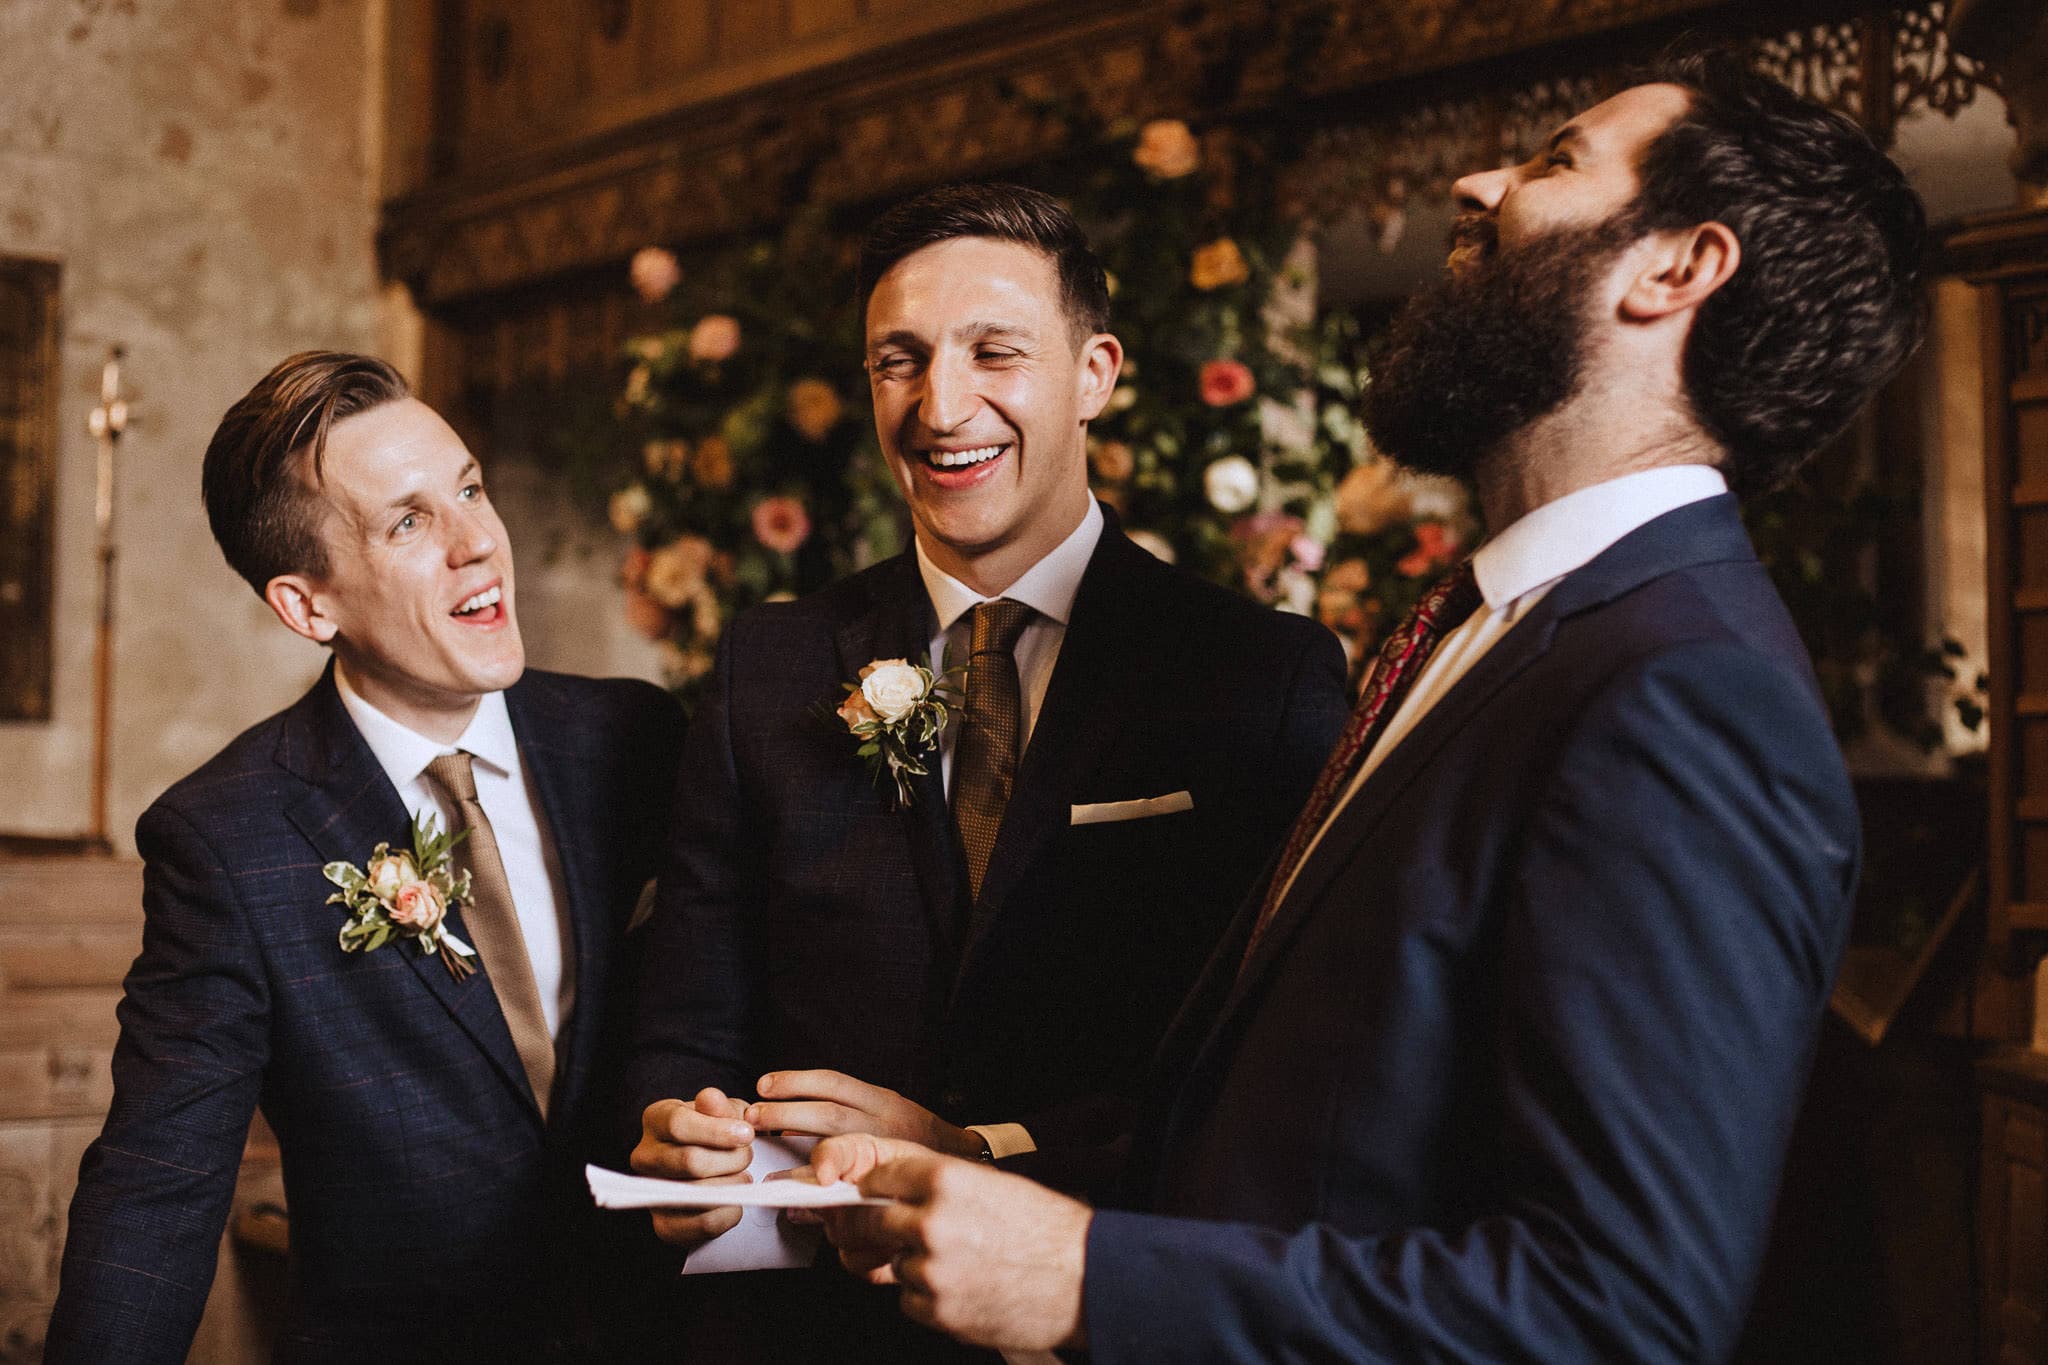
28,483
570,148
2013,1202
2007,255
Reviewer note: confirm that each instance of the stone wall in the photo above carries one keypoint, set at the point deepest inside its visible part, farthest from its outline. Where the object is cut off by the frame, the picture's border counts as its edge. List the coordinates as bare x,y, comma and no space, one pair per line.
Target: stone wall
204,170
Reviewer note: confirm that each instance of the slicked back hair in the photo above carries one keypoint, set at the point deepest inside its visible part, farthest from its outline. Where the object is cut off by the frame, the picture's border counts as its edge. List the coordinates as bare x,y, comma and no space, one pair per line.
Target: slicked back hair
262,473
1003,213
1825,304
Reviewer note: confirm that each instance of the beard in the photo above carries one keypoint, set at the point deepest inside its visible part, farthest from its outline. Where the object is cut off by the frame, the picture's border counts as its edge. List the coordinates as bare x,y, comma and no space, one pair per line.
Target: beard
1475,356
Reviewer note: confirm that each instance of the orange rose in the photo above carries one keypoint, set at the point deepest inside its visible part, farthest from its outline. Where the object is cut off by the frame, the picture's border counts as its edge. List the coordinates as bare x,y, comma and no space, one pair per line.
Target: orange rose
1113,460
714,338
814,408
711,466
1166,150
1218,264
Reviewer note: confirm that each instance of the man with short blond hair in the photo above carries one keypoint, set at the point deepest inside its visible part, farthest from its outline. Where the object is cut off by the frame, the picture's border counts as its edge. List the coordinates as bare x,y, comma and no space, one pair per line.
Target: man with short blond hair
434,1103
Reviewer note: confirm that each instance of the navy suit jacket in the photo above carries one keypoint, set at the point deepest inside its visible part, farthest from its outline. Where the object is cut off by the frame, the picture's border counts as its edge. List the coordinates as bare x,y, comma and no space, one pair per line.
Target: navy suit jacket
433,1214
804,921
1512,1072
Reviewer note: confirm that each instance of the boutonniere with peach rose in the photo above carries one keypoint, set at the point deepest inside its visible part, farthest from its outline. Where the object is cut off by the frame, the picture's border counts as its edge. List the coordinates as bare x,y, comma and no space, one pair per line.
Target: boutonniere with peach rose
406,894
898,710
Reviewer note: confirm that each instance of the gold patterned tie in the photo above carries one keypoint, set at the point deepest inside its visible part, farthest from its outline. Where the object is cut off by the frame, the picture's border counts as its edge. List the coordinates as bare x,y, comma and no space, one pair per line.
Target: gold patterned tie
991,732
493,921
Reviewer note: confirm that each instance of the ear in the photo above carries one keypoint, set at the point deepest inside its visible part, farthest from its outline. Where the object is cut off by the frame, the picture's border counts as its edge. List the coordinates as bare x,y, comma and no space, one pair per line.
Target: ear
300,604
1102,358
1683,268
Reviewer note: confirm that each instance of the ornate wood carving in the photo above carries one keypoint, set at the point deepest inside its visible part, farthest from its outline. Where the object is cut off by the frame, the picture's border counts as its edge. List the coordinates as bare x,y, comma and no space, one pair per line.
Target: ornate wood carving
894,121
28,481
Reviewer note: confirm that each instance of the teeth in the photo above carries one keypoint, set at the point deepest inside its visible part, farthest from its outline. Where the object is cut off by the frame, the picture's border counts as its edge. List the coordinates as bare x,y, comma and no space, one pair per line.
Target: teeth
955,459
489,597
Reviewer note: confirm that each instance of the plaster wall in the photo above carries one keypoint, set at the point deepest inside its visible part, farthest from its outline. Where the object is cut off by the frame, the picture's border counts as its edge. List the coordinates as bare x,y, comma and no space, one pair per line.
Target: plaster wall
204,170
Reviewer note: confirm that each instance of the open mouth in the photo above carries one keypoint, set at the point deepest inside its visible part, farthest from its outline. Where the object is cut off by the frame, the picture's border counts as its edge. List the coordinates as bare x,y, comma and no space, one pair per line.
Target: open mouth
961,459
485,608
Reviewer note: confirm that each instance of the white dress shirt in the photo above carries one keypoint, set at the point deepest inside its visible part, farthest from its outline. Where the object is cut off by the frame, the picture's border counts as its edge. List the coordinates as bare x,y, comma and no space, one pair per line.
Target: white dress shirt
503,789
1516,569
1047,587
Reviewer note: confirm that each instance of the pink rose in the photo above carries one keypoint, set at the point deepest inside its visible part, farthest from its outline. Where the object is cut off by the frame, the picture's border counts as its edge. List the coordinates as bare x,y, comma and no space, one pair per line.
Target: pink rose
655,273
1307,552
1225,382
781,524
714,338
418,905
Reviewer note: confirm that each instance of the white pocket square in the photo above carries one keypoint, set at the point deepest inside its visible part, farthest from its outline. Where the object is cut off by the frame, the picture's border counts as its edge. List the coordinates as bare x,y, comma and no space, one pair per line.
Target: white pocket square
1104,812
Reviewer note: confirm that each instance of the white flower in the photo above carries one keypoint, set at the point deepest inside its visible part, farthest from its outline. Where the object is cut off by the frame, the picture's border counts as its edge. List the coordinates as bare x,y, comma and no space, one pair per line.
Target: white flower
893,688
630,506
1232,484
1121,398
1153,544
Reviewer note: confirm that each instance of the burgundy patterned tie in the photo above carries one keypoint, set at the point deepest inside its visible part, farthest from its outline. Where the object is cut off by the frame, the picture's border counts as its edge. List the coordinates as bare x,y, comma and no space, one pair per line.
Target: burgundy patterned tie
1401,659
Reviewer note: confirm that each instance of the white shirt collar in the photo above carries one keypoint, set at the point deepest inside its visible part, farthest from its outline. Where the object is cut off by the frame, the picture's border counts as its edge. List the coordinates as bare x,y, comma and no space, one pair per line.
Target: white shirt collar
1549,542
404,753
1047,587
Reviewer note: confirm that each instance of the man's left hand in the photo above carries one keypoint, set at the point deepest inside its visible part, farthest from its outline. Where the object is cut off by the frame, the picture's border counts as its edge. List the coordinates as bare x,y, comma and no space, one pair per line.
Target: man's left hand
825,1103
991,1258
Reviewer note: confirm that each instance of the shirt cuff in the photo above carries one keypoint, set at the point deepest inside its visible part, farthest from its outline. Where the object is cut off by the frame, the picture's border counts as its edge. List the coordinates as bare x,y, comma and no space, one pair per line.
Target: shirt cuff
1004,1139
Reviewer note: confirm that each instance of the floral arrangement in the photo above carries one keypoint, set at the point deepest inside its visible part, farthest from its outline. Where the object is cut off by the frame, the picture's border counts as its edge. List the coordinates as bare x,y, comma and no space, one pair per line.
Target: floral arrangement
405,895
1229,446
897,710
757,477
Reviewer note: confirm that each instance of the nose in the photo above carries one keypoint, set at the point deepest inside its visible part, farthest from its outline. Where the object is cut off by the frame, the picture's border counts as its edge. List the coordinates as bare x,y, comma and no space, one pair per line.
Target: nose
1482,191
473,536
948,400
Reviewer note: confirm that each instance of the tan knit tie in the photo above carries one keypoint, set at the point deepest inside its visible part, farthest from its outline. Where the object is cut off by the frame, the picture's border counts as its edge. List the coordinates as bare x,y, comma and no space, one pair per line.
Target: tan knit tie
493,921
991,732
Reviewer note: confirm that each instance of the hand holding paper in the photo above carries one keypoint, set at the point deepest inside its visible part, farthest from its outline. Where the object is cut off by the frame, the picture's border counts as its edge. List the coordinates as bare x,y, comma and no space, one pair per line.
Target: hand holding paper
704,1139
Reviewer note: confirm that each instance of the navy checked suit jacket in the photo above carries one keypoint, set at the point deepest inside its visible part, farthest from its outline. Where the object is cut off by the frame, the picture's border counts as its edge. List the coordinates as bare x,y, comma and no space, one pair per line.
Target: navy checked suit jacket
1512,1072
433,1215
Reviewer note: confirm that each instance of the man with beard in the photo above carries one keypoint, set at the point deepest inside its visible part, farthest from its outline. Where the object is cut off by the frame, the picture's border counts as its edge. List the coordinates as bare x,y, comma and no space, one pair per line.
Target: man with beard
1502,1063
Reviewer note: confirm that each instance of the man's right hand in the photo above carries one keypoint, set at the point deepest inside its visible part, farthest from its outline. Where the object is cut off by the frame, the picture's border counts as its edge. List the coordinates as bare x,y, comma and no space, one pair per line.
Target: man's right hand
706,1140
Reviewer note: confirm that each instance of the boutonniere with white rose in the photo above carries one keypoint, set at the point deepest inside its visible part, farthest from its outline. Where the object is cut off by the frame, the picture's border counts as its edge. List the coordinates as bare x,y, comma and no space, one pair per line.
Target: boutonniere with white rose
406,895
898,710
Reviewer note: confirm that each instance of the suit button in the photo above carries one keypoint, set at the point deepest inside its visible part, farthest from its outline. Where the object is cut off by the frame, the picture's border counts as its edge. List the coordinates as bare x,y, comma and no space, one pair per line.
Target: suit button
955,1099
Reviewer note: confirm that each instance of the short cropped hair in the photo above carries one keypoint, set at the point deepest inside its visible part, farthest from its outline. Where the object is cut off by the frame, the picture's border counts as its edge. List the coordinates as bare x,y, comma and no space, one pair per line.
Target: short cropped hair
1825,304
1004,213
261,478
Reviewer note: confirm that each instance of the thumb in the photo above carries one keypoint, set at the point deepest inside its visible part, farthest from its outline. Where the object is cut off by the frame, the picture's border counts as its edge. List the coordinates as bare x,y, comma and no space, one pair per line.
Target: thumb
852,1156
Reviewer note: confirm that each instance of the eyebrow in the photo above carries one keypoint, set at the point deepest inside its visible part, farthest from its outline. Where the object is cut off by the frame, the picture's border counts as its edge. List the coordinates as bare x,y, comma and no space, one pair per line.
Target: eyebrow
411,496
1571,132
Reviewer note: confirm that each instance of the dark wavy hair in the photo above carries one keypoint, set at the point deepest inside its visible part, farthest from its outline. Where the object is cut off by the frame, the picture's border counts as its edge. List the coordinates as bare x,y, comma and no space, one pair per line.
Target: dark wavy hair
1826,303
1005,213
261,478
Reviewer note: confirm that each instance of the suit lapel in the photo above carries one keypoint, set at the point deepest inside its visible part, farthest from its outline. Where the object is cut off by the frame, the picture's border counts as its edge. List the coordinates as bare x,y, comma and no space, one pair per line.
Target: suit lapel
1097,685
1698,533
348,808
549,749
897,624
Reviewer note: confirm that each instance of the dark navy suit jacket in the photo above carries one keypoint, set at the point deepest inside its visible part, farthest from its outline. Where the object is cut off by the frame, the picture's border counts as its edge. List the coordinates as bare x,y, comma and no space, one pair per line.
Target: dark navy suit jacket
804,921
1511,1074
433,1215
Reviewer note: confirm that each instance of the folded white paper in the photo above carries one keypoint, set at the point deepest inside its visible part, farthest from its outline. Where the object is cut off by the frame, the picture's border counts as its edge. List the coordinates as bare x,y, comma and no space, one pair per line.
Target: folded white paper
617,1190
1104,812
763,1239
